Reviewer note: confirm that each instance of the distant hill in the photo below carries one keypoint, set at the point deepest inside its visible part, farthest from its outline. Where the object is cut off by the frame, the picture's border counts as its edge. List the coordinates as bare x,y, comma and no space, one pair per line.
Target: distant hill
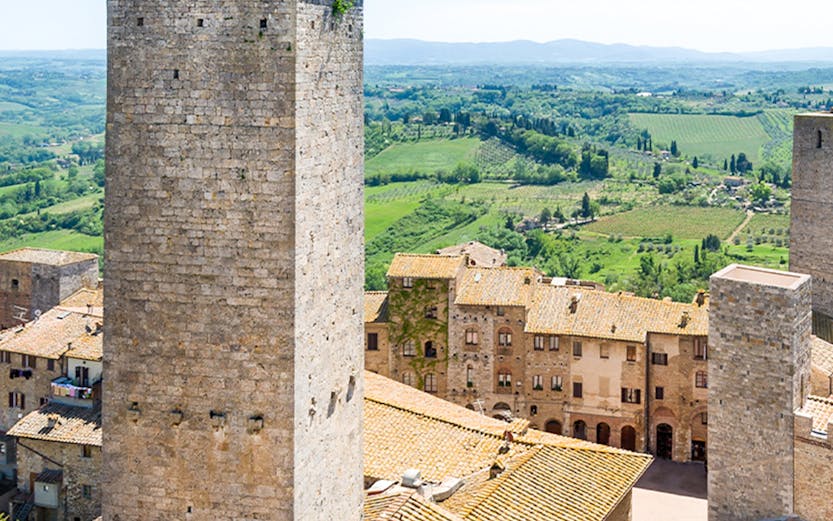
417,52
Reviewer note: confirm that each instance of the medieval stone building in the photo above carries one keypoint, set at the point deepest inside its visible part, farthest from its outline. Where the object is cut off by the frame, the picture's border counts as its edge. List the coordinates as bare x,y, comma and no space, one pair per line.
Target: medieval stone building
233,283
508,342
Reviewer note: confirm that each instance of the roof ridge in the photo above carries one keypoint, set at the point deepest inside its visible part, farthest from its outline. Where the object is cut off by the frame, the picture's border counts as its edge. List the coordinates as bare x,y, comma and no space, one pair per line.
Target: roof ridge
375,292
816,398
429,255
622,295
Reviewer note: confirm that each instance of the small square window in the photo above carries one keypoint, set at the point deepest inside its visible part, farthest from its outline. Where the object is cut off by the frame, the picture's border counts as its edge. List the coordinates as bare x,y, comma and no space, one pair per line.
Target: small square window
704,418
86,451
373,341
407,282
631,354
604,351
660,394
556,383
200,22
176,74
659,358
553,343
87,491
409,348
264,23
578,390
140,22
538,342
577,349
500,311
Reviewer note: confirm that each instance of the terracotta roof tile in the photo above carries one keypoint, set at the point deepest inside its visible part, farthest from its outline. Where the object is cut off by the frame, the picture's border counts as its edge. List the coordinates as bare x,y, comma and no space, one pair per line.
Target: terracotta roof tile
72,425
375,306
497,286
822,355
50,257
545,476
87,301
821,409
611,316
479,254
425,266
405,506
50,335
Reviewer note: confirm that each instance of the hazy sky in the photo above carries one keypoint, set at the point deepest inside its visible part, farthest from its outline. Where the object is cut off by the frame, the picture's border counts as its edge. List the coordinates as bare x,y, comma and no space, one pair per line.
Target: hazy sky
709,25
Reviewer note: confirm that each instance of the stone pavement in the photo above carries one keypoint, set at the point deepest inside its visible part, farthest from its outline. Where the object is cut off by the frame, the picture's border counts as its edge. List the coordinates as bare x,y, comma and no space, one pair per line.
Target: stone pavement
671,492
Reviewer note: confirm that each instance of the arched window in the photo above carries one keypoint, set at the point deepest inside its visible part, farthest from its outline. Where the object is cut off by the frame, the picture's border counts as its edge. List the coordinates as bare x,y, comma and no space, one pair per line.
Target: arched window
628,438
603,433
533,410
580,430
430,351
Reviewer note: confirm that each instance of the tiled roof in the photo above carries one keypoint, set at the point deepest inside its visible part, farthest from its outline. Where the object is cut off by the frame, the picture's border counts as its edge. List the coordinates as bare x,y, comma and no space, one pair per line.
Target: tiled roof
497,286
479,254
375,306
822,355
425,266
51,257
612,316
545,477
51,335
50,476
88,347
72,425
821,409
404,506
88,301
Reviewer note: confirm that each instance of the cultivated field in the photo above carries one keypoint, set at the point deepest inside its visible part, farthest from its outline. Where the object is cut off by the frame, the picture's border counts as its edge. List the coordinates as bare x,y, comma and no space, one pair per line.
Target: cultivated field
424,156
705,135
683,222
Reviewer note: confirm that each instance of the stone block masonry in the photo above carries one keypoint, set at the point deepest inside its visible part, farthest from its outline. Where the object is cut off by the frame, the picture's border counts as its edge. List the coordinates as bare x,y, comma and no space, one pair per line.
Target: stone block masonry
759,374
812,206
234,275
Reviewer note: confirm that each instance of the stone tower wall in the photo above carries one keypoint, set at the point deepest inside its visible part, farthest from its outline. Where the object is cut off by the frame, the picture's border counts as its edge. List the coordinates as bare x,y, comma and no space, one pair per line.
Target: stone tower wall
812,206
759,370
233,282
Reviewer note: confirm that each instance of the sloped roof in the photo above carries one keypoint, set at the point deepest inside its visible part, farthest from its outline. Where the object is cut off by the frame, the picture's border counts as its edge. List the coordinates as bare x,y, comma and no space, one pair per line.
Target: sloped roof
425,266
72,425
497,286
405,506
821,353
87,301
611,316
479,254
546,476
48,337
375,306
50,257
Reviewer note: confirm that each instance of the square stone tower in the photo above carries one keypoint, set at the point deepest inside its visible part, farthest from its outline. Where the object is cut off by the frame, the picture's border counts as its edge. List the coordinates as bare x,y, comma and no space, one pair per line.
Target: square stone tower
812,211
234,274
759,374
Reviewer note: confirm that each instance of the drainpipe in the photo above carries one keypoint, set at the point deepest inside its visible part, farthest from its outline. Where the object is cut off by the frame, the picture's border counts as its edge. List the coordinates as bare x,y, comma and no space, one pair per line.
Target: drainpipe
647,392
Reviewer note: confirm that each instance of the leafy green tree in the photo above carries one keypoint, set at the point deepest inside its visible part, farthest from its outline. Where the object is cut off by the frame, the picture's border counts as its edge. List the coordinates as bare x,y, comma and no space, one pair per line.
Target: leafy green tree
586,207
545,216
725,165
657,170
674,150
733,165
695,163
760,193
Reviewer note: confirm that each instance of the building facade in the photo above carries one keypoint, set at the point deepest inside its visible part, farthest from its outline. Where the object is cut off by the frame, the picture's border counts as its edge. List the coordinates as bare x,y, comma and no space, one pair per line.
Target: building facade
234,200
609,368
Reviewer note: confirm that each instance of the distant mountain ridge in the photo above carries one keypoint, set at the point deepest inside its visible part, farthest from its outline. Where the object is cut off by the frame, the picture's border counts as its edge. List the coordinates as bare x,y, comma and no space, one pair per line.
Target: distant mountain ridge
418,52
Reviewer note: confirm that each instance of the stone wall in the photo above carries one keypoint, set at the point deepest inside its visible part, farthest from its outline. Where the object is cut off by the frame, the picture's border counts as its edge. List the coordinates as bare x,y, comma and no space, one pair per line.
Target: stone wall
34,388
233,278
759,365
623,511
813,476
77,471
812,205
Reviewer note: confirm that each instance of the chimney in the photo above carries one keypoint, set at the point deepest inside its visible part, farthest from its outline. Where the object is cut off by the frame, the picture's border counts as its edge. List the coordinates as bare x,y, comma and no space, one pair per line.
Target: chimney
700,300
574,300
684,319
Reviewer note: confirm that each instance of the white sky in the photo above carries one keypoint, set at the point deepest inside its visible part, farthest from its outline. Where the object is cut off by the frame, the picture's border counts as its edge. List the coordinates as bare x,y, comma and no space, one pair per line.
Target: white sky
709,25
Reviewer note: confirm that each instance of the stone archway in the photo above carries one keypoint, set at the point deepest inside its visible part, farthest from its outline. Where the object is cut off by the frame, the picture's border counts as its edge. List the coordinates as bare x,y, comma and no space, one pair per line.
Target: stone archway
553,426
628,438
580,430
603,433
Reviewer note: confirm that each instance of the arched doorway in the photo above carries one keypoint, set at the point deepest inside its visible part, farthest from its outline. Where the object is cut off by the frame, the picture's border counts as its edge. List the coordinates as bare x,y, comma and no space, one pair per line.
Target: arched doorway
553,426
603,434
665,441
628,438
580,430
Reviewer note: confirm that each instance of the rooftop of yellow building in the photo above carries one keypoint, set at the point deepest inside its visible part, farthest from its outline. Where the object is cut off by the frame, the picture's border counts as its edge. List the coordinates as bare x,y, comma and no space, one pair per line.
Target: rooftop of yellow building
375,306
598,314
821,409
822,355
543,476
425,266
497,286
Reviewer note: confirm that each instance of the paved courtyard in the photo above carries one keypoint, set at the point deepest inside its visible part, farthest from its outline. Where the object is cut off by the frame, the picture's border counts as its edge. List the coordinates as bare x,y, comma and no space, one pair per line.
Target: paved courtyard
671,491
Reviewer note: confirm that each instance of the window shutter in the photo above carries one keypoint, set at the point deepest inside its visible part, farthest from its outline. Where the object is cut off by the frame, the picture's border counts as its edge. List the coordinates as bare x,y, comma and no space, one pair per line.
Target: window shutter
11,399
22,401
